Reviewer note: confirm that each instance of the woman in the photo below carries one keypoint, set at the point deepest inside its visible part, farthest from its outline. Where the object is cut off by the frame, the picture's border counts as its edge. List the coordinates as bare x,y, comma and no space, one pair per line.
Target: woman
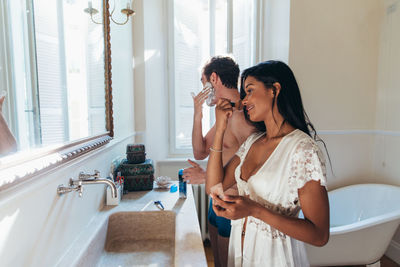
8,143
278,171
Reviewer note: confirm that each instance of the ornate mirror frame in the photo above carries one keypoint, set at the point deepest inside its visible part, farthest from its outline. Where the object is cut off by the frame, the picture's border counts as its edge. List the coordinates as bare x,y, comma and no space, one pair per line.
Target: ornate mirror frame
107,68
22,167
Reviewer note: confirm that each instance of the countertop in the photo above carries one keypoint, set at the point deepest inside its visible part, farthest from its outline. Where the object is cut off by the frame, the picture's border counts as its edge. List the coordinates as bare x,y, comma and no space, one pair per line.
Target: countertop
189,250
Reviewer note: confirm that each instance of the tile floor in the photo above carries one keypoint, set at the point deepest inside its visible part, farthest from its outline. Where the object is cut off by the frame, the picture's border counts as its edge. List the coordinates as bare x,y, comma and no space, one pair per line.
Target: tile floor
385,261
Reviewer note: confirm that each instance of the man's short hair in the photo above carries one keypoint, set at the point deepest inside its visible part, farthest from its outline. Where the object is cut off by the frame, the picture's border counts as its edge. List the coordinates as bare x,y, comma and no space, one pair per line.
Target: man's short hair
225,67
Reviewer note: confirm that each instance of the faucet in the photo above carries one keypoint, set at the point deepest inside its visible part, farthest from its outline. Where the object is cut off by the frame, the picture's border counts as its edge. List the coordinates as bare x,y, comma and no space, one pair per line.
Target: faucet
86,179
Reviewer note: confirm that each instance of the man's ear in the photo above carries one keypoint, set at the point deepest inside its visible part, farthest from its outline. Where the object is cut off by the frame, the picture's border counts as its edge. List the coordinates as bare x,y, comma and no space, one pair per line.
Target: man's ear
214,78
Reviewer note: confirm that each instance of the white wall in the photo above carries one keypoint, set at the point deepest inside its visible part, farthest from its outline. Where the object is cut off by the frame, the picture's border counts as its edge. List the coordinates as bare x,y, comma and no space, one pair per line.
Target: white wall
37,226
334,47
388,97
151,81
139,70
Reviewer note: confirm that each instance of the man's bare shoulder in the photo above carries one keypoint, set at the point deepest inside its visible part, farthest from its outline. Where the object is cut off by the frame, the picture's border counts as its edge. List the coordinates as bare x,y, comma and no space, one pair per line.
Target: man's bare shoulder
238,119
240,126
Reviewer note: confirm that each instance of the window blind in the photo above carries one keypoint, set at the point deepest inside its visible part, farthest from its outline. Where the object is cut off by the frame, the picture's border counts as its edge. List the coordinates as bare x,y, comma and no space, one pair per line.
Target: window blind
50,60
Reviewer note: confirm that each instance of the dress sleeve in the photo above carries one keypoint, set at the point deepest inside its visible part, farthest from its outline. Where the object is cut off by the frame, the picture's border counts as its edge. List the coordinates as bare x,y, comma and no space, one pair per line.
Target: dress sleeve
307,164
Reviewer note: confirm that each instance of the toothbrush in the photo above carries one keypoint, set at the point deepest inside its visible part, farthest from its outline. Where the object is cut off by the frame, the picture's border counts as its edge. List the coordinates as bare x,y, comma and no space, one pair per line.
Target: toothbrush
159,204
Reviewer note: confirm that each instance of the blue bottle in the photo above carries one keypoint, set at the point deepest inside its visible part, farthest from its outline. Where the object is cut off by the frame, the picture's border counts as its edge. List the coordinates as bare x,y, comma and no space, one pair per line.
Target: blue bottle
182,185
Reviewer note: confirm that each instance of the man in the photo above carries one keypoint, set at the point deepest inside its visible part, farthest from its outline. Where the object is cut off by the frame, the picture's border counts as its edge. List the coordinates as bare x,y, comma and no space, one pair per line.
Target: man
223,74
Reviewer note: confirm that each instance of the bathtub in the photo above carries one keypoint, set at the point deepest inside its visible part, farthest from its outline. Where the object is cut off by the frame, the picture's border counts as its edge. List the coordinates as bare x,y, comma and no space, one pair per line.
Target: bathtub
363,220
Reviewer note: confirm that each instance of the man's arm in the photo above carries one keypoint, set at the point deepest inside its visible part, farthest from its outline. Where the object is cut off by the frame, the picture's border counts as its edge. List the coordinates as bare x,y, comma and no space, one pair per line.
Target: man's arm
200,144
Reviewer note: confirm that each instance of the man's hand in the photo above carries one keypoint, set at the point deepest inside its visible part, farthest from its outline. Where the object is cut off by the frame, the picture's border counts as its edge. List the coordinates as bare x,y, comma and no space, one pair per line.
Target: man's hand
195,174
198,101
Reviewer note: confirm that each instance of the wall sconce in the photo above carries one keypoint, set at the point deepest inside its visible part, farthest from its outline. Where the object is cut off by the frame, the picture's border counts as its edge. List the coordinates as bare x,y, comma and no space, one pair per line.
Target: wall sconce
126,11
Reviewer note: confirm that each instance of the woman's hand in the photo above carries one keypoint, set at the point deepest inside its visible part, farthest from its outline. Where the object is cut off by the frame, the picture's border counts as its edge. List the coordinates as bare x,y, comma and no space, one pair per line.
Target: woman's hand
233,207
223,111
1,103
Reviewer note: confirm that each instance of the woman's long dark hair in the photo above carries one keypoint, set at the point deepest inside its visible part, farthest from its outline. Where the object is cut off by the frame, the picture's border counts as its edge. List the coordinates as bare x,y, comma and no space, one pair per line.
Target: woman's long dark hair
289,102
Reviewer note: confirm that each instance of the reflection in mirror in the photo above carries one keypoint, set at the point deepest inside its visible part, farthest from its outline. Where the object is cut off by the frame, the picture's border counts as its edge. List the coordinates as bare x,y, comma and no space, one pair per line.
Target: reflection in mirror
52,71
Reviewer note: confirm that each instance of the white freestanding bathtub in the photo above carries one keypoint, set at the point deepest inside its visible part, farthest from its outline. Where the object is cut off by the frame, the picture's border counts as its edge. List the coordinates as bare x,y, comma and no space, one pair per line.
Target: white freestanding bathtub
363,220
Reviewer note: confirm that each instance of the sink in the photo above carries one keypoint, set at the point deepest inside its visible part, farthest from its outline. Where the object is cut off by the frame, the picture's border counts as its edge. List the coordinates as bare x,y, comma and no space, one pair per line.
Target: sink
123,235
139,238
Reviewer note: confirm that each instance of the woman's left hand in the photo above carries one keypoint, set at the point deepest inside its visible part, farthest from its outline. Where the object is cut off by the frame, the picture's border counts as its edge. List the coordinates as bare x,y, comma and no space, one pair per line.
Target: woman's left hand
233,207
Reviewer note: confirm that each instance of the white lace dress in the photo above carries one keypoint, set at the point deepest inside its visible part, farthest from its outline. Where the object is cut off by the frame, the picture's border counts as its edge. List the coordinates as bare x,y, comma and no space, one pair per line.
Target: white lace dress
295,161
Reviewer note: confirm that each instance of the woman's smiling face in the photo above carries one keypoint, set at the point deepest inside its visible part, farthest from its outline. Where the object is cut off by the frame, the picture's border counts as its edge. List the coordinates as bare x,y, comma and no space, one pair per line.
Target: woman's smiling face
258,100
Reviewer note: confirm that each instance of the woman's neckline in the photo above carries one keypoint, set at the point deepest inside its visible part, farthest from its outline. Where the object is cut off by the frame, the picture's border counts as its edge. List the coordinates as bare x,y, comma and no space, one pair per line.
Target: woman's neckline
267,160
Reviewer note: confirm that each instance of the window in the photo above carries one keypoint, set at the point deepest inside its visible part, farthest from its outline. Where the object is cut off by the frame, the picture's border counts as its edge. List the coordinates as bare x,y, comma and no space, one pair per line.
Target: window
200,29
52,66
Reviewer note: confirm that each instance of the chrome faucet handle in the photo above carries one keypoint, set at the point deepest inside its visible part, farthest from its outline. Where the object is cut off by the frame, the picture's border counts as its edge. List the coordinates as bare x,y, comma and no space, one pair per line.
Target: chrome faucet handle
79,189
83,176
73,182
61,189
96,174
77,185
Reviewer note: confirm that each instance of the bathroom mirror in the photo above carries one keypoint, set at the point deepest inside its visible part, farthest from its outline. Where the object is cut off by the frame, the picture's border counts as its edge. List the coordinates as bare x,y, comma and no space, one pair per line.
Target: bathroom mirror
56,74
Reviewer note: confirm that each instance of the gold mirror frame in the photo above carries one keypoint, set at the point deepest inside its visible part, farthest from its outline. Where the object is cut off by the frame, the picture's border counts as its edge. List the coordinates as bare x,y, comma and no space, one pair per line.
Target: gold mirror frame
107,66
17,168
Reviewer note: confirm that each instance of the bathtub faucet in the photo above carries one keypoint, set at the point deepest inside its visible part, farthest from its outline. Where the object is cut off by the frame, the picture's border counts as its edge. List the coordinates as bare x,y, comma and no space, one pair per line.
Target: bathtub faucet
86,179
